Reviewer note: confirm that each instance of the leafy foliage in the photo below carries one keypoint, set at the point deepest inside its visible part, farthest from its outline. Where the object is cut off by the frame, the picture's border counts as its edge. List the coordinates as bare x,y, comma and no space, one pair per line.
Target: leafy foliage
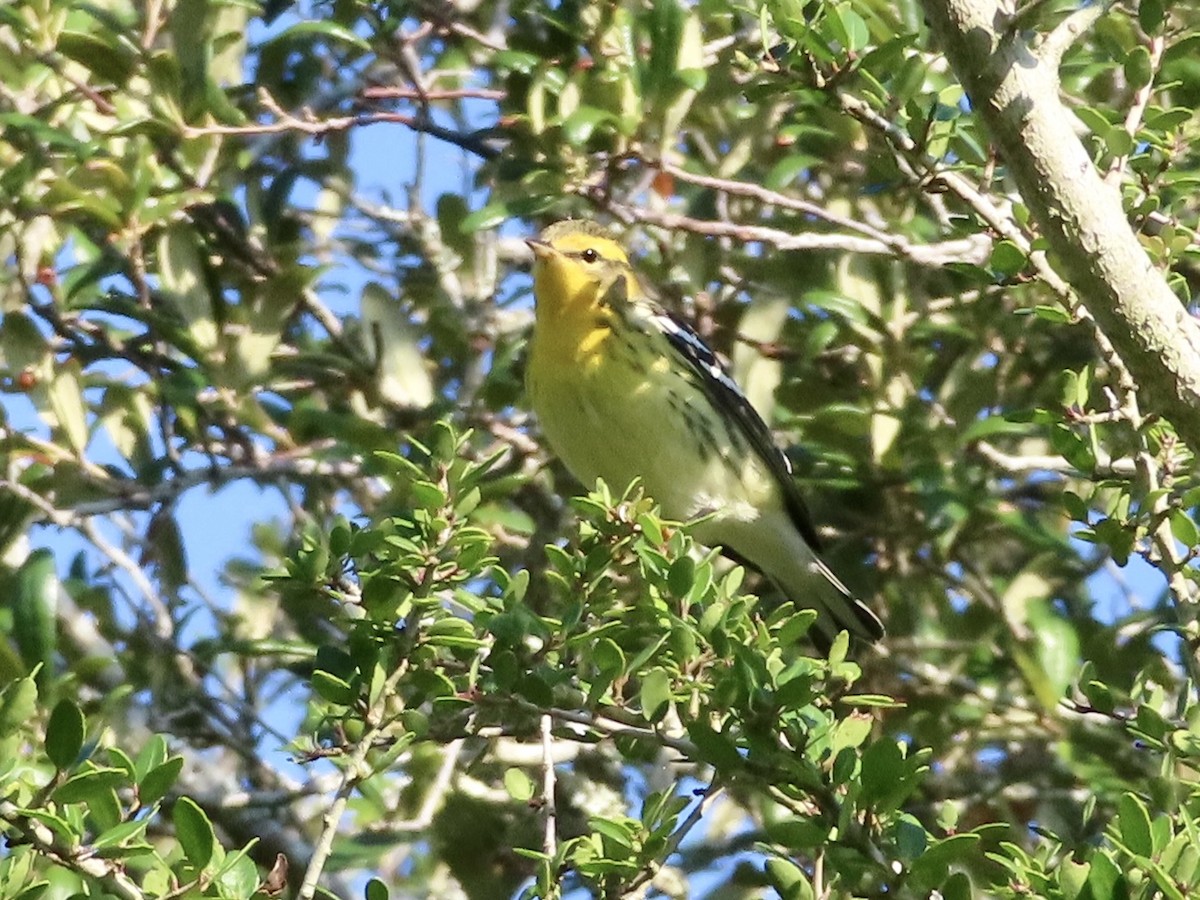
262,294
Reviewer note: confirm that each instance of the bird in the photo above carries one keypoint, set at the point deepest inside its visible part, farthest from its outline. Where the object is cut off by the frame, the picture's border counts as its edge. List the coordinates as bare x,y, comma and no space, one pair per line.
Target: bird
623,390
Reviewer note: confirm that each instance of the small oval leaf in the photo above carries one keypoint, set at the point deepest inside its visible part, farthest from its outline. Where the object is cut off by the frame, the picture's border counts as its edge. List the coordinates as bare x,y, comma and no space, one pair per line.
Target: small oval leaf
64,734
194,832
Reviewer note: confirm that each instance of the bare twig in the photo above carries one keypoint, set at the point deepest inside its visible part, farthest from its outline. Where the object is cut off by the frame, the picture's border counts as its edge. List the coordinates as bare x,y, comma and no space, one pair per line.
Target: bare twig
1069,30
308,123
435,795
684,828
433,94
1016,464
130,495
355,772
974,249
613,728
549,809
110,873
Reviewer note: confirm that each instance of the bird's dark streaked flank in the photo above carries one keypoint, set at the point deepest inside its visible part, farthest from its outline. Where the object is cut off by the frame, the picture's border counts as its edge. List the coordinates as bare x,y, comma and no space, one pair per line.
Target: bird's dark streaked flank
623,390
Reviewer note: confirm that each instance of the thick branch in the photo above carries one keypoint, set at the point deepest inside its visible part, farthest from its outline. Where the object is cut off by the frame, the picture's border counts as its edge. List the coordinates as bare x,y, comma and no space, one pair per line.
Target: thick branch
1016,91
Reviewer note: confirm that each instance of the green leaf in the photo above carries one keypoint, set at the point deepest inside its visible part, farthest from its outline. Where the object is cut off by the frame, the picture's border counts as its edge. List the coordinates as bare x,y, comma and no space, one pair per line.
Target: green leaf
787,170
1057,647
376,890
427,495
64,734
619,833
333,689
238,875
326,28
490,216
848,27
850,732
1099,696
1134,822
788,879
85,786
34,607
153,754
1183,527
121,834
681,575
1103,877
18,703
1007,259
877,700
911,837
194,832
1055,314
958,887
1150,15
655,692
1138,68
1072,877
1167,120
453,632
1186,743
932,865
578,126
154,786
882,770
839,648
108,61
609,658
797,626
716,749
181,272
519,785
798,834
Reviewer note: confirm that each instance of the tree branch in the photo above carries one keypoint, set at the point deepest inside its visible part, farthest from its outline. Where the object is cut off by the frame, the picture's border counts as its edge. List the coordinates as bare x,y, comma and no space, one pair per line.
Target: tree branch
971,250
1016,92
109,873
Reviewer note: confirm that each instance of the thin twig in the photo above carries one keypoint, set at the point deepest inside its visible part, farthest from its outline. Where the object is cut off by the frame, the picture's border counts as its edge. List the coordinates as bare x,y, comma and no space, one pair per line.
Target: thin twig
110,873
975,249
130,495
432,94
308,123
435,796
1016,464
355,772
614,728
1068,31
713,790
549,809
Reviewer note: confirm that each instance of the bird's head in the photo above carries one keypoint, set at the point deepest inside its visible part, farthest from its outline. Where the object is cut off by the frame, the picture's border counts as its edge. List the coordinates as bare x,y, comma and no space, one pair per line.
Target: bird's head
575,264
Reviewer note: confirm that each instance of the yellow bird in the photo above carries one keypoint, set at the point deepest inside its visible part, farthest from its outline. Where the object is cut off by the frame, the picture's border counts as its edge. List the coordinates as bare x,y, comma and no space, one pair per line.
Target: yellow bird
624,390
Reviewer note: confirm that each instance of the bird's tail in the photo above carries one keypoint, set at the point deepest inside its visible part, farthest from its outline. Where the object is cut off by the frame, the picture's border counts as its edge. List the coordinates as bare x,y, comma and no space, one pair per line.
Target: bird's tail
837,608
782,554
811,584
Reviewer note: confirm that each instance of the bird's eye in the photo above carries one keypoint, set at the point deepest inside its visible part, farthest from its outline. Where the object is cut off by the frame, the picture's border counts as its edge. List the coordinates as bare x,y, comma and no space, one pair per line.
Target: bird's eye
589,255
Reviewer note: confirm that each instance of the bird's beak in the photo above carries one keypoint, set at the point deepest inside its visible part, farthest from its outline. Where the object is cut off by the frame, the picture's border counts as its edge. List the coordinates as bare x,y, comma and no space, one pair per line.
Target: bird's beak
540,249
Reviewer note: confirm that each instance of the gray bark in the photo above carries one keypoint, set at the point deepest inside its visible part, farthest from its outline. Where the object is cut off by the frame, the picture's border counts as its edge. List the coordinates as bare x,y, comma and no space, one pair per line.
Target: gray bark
1015,88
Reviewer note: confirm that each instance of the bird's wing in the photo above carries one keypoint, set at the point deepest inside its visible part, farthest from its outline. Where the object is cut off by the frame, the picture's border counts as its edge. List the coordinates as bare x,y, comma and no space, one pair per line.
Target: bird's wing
728,397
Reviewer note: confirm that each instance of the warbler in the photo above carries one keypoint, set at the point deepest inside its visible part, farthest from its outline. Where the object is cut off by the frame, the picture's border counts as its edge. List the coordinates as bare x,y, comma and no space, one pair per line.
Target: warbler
622,389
